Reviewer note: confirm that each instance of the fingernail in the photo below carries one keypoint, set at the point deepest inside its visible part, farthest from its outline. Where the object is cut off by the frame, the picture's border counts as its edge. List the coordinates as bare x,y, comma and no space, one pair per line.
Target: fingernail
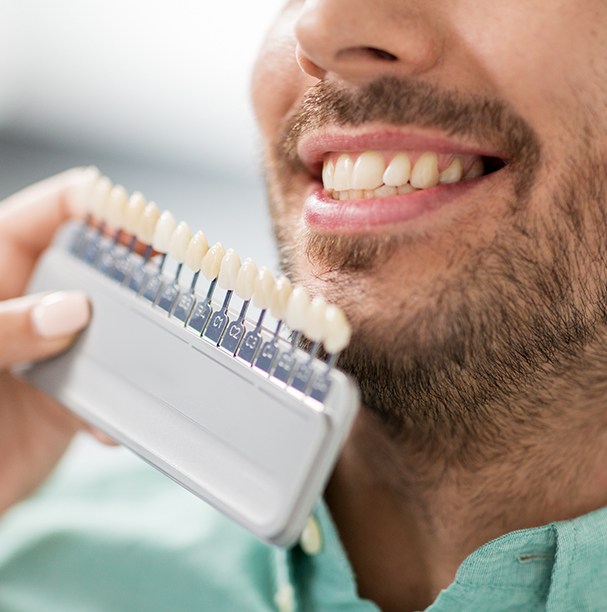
60,314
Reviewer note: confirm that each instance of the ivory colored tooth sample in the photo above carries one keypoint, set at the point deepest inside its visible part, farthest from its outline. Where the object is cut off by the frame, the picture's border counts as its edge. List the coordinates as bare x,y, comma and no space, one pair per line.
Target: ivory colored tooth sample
368,171
338,330
80,197
245,280
280,297
316,324
134,210
398,171
265,285
298,307
119,199
100,198
197,249
148,223
211,262
165,226
228,271
425,171
180,240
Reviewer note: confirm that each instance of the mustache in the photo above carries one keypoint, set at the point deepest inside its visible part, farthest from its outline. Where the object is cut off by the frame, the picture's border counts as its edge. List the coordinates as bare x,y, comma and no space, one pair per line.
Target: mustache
400,102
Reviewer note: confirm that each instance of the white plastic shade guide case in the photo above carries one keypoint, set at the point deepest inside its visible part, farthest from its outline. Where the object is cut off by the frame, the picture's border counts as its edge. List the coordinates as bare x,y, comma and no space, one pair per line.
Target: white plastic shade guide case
250,445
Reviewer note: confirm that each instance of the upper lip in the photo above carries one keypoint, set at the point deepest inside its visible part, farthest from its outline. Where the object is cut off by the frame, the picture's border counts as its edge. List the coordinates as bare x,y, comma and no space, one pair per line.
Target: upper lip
315,145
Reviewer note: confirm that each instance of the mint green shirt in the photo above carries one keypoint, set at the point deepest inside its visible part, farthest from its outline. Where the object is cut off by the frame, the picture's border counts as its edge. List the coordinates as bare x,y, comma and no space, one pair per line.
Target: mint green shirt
113,535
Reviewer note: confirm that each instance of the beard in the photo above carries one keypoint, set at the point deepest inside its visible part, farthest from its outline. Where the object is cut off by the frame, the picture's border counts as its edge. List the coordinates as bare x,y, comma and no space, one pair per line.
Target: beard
458,365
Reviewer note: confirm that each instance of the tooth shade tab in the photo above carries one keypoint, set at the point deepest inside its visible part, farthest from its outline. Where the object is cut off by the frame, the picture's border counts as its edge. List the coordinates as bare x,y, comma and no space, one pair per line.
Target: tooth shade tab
148,223
100,198
338,330
133,212
180,240
163,233
81,196
368,171
211,262
245,281
316,324
228,271
197,249
298,307
119,198
265,285
280,297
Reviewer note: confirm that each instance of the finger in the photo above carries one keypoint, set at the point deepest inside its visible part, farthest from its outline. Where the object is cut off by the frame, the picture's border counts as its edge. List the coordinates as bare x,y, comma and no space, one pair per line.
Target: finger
37,326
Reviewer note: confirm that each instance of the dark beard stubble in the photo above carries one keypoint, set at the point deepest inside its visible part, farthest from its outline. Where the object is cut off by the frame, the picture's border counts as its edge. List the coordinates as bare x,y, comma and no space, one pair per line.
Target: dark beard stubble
482,356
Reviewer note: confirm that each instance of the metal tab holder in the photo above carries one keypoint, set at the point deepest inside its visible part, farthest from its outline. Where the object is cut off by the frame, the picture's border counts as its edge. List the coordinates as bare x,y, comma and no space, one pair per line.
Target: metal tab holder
218,322
251,342
268,353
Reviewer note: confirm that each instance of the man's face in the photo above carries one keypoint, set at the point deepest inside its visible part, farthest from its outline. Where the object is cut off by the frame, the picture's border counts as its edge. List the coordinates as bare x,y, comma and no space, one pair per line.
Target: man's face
465,293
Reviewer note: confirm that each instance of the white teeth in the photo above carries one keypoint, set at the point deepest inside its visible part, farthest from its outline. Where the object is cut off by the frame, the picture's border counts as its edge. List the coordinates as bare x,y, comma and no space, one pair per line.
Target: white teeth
298,307
398,171
338,331
100,198
245,281
196,251
368,171
342,179
147,223
228,271
476,170
425,171
119,199
265,285
328,171
133,212
180,240
385,191
453,173
211,262
366,176
316,324
280,297
161,238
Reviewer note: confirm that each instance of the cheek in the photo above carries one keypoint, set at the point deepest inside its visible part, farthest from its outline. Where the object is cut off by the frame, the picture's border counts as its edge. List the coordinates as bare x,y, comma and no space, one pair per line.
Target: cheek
278,82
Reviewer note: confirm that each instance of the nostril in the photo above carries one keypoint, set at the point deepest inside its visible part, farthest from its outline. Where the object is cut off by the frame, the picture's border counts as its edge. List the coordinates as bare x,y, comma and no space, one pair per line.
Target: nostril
381,54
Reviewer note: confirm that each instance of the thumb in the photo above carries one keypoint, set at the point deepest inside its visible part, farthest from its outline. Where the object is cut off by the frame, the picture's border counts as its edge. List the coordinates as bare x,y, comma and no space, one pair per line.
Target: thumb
37,326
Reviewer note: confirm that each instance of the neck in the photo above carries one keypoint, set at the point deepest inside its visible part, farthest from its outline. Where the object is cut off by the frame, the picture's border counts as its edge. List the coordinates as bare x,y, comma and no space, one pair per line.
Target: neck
408,518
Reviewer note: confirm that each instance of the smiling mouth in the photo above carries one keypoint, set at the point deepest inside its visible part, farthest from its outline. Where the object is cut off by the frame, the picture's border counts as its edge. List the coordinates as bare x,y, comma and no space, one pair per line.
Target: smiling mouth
380,174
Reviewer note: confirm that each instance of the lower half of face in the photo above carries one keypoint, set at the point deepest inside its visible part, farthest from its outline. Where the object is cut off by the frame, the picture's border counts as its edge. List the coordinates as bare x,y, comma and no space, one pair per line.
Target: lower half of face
468,299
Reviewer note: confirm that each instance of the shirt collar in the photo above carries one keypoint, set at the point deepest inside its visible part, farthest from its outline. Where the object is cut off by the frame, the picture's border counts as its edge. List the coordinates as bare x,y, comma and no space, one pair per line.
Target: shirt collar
556,566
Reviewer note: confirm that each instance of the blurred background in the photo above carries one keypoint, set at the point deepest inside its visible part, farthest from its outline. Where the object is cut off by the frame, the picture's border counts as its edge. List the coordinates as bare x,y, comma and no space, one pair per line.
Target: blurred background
153,92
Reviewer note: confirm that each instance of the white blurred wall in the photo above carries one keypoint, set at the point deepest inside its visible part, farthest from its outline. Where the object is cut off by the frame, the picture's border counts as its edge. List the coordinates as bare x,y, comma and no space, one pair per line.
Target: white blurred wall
152,79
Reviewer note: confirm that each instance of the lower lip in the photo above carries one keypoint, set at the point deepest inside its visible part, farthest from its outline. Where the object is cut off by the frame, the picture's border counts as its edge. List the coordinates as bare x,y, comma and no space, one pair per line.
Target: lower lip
325,215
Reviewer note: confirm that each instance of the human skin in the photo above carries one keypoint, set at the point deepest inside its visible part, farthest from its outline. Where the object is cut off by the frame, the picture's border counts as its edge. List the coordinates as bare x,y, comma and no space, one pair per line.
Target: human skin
34,429
479,328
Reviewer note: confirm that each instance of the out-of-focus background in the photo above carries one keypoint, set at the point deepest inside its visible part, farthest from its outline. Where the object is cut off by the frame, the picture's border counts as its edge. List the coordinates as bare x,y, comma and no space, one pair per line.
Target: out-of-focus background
153,92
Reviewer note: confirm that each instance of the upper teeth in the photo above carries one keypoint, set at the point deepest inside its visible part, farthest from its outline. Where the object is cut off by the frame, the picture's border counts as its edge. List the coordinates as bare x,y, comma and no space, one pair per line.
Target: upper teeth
368,174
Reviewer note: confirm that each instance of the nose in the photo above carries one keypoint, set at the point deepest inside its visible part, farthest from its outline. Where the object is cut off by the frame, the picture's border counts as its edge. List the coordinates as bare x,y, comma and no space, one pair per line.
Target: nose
358,40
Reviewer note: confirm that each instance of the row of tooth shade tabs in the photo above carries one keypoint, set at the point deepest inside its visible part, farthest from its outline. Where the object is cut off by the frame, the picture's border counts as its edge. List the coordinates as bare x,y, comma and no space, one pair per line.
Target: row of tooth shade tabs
114,210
